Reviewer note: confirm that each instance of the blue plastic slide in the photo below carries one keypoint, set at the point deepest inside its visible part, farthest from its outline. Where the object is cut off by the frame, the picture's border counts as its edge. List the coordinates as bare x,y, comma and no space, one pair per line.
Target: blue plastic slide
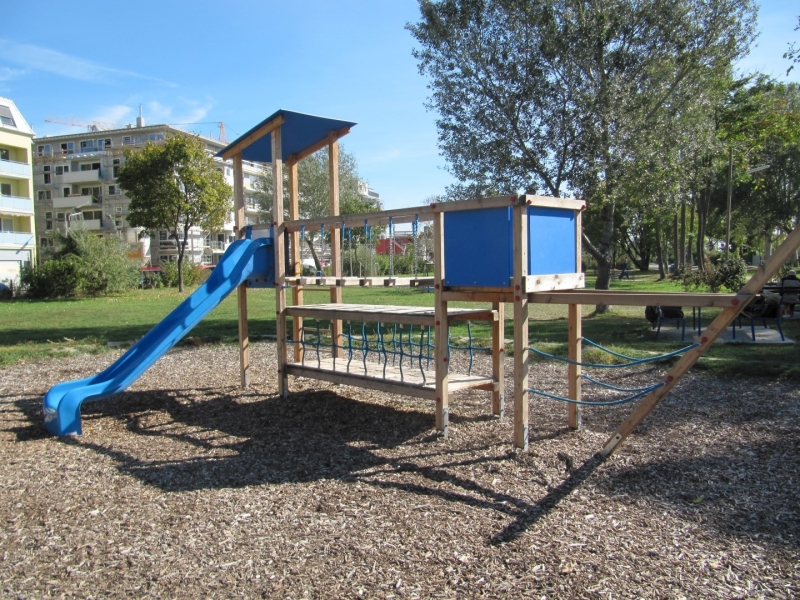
245,259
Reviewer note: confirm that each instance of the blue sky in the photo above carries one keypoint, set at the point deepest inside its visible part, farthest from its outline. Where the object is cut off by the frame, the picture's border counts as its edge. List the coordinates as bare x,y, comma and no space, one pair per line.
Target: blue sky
238,62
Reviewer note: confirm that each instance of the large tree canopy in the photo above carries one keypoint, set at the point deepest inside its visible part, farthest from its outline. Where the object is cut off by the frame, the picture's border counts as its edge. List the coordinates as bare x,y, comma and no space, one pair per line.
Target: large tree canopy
553,96
175,185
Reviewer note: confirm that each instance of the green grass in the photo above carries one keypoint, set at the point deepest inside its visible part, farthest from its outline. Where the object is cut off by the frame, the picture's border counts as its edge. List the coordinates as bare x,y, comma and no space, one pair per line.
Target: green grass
35,330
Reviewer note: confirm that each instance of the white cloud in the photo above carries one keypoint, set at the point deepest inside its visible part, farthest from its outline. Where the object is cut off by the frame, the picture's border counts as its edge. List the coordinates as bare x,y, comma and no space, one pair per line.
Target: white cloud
6,73
51,61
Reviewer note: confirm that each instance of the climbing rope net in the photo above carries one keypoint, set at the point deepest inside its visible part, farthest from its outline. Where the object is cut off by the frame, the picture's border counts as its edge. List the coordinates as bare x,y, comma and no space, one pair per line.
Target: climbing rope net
633,393
409,350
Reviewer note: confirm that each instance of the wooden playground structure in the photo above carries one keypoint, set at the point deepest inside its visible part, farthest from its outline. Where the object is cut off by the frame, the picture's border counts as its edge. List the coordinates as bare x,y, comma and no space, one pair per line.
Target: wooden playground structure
489,251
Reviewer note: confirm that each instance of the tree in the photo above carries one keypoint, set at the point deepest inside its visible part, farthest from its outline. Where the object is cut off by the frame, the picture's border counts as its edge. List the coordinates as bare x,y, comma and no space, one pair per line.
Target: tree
175,185
553,95
314,192
793,53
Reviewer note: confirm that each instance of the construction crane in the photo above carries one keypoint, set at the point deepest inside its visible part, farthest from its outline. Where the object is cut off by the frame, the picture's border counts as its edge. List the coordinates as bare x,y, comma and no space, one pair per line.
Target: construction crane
90,125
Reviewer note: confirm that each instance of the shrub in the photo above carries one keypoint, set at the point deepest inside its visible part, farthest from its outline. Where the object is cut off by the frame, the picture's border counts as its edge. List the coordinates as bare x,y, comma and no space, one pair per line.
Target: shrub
58,278
192,274
730,273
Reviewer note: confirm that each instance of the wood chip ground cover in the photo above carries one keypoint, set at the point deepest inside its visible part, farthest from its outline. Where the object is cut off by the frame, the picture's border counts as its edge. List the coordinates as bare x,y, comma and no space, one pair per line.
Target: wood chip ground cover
187,486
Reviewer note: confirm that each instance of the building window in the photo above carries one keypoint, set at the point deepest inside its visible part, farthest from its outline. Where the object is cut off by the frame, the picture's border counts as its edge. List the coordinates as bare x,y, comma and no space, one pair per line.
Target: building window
6,224
88,145
90,166
44,194
104,143
162,235
112,190
155,137
92,215
61,217
48,220
43,150
118,222
116,168
5,154
47,174
5,189
62,169
6,118
66,192
68,148
94,192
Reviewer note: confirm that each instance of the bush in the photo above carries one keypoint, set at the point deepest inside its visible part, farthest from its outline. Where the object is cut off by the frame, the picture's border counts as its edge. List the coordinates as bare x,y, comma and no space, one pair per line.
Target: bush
58,278
730,273
193,273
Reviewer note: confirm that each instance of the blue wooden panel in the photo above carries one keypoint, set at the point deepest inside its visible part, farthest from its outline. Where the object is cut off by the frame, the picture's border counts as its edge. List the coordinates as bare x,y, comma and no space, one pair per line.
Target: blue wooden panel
551,241
478,248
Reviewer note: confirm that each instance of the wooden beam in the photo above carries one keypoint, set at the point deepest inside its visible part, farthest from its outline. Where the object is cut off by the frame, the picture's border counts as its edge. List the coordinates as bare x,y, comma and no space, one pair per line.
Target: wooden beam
280,264
265,129
498,356
574,340
241,291
625,298
316,146
336,238
521,352
552,202
441,328
297,291
717,326
558,281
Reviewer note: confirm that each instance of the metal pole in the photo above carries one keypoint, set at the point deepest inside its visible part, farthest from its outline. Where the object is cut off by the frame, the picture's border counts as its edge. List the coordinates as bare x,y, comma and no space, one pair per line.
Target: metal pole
730,199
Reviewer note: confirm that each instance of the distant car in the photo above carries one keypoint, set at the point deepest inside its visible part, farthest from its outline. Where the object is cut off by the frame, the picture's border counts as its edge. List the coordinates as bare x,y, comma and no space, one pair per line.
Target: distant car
5,292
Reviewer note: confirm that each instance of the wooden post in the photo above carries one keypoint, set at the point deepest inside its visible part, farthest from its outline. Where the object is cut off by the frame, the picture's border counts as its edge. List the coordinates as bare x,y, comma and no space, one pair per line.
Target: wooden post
441,327
498,356
574,371
280,265
297,290
241,291
521,352
575,335
712,332
336,235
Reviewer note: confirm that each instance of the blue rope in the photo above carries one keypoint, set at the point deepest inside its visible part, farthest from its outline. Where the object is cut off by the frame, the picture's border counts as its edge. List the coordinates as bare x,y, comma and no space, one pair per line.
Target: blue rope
633,362
644,392
613,387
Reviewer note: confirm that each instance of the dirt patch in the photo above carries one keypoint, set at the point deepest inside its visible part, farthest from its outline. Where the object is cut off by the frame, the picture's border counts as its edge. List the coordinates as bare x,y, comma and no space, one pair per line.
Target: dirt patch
187,486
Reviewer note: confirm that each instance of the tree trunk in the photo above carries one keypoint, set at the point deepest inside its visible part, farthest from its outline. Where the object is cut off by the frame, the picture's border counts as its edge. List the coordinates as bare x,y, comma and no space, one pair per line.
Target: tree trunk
676,249
682,245
691,229
659,251
603,253
310,244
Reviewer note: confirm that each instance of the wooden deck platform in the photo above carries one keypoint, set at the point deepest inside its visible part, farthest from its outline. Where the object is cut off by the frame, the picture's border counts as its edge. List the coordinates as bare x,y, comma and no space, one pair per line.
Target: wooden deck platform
384,313
409,383
382,281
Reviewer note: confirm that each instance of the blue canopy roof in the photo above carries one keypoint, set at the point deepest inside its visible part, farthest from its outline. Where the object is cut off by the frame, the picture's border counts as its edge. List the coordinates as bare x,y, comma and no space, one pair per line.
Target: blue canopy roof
298,132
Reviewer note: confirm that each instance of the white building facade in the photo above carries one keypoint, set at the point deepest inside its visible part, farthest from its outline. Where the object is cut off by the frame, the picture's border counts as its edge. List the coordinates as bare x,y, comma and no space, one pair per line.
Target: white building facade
75,185
17,228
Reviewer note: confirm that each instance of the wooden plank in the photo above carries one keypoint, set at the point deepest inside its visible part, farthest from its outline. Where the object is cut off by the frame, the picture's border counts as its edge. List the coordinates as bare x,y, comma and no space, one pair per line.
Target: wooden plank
717,326
442,330
521,352
552,202
389,386
293,159
265,129
336,235
280,265
409,377
383,313
241,291
574,378
625,298
558,281
498,356
451,296
297,265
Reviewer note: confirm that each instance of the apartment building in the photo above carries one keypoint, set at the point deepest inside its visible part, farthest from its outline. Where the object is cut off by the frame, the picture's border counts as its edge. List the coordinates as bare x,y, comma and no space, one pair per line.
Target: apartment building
17,233
75,182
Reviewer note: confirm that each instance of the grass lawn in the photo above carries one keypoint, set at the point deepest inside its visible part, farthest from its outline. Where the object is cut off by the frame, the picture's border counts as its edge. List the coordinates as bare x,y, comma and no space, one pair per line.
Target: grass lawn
31,330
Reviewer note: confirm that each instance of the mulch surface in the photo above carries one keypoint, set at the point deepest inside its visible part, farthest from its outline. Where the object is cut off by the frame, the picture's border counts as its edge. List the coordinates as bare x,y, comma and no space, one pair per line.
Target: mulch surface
187,486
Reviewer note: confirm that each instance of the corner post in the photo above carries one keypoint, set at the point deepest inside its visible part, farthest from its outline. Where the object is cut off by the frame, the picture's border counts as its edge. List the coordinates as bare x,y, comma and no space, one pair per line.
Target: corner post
297,290
521,352
336,260
441,327
241,291
498,354
575,337
280,264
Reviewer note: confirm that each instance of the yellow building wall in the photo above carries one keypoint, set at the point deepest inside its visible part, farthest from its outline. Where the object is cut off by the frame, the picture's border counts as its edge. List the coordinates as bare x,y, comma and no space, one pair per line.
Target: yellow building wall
20,146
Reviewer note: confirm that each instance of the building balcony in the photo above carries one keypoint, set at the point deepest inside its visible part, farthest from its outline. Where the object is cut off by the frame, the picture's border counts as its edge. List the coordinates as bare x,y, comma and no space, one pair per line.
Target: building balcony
75,201
16,238
14,169
79,176
15,204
